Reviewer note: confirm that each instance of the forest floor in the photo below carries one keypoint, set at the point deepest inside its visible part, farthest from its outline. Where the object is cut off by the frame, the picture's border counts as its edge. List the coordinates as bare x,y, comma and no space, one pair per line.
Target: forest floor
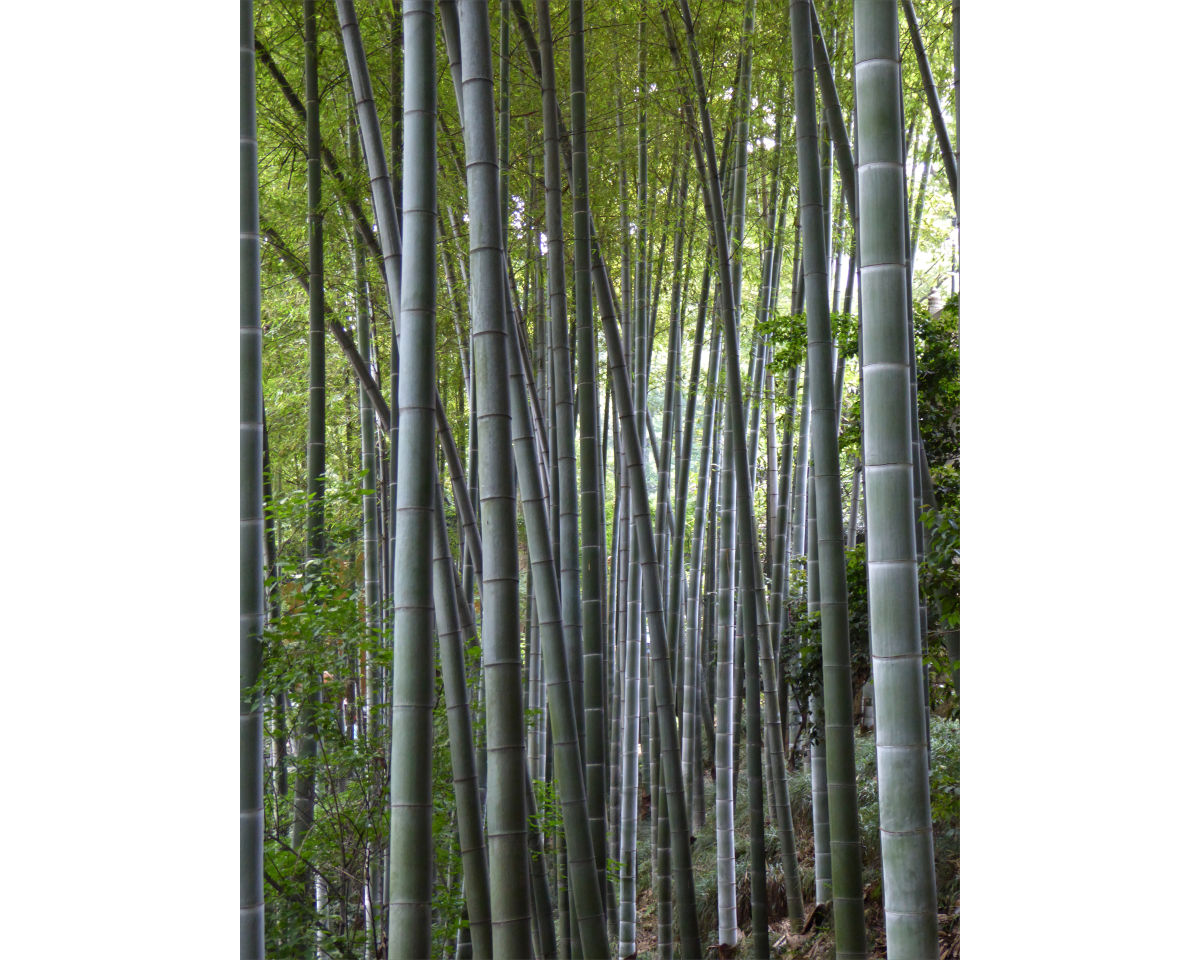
814,940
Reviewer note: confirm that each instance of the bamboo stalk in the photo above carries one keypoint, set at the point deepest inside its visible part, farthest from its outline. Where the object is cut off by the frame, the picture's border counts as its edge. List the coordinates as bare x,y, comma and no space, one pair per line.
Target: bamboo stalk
727,928
305,796
410,886
508,860
591,502
252,909
837,691
822,869
910,905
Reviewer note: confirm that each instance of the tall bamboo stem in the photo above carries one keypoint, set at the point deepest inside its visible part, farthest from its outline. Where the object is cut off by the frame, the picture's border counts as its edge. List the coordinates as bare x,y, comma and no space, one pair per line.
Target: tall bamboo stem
906,835
590,463
252,911
315,448
837,689
506,813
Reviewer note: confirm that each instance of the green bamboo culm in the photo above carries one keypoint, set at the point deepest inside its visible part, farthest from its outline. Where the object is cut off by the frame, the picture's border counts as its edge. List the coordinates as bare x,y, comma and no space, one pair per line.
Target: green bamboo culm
563,414
820,793
906,834
591,510
370,500
410,881
687,631
410,876
373,678
250,477
315,458
508,858
833,115
837,690
727,926
392,271
631,707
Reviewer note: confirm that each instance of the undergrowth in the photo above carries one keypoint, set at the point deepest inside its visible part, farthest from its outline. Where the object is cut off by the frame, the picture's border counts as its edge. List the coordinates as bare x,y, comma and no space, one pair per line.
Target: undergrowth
944,800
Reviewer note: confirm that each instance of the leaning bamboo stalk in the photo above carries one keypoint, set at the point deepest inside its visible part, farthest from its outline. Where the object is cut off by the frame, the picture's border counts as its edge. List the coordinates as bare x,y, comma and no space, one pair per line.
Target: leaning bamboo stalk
453,47
741,144
359,365
382,196
772,258
833,116
367,382
370,498
620,582
949,163
635,706
637,716
361,225
396,123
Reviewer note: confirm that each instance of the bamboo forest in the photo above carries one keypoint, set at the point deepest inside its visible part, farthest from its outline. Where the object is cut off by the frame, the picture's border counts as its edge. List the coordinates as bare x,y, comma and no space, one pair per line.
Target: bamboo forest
599,479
